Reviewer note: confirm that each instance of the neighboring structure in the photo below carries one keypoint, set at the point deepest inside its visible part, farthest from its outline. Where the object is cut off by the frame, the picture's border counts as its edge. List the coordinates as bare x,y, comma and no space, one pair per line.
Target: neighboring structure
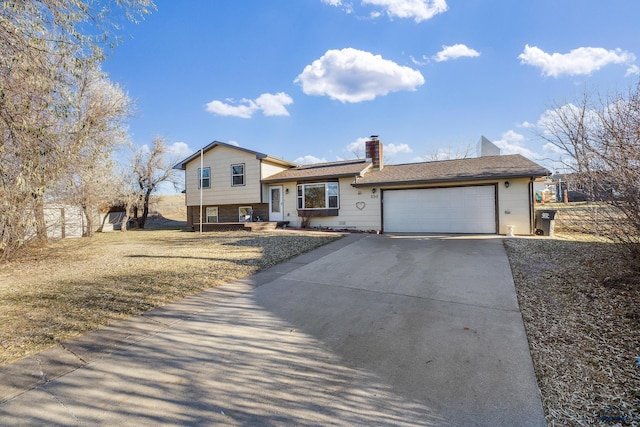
486,148
64,221
490,194
545,190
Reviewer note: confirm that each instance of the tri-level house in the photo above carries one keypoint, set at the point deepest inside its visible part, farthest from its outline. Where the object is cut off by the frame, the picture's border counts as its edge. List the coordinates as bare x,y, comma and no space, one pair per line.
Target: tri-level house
490,194
226,182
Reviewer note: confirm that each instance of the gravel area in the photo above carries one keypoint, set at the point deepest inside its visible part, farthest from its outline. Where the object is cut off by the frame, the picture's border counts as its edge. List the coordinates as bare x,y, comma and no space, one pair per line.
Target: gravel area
74,286
581,310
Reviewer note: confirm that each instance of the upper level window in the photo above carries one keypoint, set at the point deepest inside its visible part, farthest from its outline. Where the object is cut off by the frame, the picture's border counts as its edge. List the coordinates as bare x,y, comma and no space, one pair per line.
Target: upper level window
237,174
321,195
204,178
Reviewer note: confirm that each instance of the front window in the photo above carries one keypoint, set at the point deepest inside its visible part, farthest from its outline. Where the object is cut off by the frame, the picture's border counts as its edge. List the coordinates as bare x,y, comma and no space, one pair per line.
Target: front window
323,195
204,178
212,214
237,174
245,213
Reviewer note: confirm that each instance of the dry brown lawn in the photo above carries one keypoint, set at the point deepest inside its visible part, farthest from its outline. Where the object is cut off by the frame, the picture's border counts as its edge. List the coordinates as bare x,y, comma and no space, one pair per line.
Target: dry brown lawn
581,309
73,286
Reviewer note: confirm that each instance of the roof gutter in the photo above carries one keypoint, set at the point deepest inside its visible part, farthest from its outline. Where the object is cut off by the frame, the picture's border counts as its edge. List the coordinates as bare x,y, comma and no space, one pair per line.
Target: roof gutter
438,180
303,178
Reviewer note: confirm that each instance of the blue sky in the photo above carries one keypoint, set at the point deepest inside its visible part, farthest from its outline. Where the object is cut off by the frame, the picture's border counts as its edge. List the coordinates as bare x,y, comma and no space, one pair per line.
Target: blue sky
310,80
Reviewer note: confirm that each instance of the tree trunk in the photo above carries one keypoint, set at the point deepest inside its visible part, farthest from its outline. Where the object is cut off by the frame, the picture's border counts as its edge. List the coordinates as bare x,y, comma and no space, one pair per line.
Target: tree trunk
145,209
125,218
87,214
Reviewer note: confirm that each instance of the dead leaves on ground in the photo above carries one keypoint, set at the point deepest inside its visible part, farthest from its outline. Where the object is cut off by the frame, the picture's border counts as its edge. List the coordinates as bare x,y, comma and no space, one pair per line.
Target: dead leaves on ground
580,307
51,294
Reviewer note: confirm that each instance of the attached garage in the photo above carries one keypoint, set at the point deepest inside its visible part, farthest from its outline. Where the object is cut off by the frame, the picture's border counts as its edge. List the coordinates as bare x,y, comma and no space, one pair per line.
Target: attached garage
469,209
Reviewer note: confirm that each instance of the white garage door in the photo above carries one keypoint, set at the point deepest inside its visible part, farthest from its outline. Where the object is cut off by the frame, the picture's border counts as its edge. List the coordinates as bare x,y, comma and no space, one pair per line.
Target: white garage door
441,210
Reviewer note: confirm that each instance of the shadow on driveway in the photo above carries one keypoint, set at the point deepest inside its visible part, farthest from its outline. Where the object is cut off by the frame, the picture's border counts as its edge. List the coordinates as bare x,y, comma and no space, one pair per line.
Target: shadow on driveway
369,330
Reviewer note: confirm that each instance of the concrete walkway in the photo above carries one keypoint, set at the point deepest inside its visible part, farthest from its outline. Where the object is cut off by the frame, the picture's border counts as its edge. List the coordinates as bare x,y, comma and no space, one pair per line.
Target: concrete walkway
369,330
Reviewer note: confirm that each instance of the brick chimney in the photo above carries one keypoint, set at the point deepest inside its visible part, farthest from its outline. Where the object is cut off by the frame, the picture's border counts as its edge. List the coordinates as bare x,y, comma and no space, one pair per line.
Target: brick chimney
373,151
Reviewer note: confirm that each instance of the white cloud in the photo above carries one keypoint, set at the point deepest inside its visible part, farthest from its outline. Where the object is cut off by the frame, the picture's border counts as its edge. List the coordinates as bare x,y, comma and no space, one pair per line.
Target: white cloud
423,61
309,160
269,104
419,10
454,52
178,150
551,121
358,147
633,70
393,149
352,75
552,148
549,125
580,61
274,105
244,111
347,7
234,143
513,143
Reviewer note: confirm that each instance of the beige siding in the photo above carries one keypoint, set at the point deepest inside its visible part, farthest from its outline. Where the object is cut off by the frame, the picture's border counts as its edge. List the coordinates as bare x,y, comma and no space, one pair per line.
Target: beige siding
269,169
360,209
514,200
349,217
221,192
290,211
514,206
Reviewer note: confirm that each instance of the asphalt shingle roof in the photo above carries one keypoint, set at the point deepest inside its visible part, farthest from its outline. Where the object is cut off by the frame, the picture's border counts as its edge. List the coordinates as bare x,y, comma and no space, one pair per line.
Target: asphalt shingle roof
490,167
321,171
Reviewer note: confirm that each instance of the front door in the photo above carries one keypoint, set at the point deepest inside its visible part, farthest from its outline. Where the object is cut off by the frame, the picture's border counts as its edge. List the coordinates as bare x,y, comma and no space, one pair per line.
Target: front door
276,204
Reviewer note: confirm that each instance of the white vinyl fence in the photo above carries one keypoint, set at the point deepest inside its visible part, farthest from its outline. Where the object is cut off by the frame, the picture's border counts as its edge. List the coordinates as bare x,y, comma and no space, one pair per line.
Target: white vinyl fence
64,221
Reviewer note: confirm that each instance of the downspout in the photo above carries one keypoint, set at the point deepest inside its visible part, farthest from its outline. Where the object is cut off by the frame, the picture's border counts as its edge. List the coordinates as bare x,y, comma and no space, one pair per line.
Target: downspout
531,206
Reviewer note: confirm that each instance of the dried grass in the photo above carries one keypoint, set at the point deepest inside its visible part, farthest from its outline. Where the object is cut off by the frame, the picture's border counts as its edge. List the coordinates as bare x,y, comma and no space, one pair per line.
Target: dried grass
581,308
73,286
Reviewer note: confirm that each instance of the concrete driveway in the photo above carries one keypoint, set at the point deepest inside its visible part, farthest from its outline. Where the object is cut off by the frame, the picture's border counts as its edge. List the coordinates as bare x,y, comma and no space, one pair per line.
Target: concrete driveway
369,330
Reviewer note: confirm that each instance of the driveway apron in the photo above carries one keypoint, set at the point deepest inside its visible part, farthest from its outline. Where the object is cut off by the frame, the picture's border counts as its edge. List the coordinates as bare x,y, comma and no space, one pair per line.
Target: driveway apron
369,330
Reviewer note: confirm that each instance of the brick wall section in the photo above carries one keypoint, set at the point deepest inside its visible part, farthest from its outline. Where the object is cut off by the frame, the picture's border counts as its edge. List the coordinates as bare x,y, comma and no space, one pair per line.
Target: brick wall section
373,151
228,213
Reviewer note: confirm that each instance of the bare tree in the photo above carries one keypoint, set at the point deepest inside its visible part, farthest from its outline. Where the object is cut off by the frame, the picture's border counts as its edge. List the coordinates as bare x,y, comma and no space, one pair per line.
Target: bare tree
450,153
358,152
601,136
151,167
101,109
128,196
31,121
88,26
90,187
45,45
